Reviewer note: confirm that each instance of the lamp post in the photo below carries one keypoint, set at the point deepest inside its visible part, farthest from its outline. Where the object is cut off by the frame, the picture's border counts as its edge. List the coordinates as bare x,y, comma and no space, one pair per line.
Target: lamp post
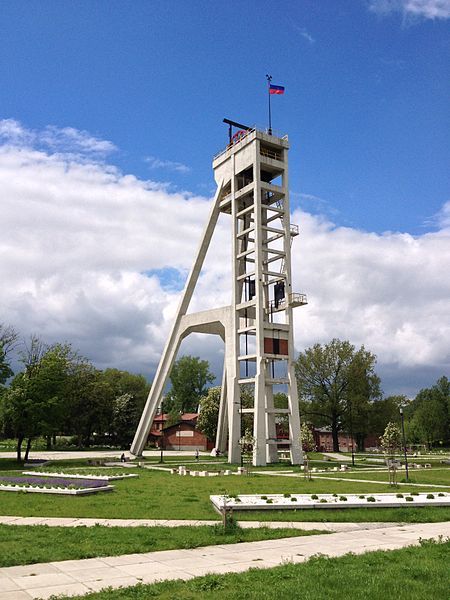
351,434
404,442
161,442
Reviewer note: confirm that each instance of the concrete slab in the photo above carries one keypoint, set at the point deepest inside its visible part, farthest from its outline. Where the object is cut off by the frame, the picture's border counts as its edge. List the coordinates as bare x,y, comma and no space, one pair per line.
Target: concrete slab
80,576
19,595
7,585
72,589
30,583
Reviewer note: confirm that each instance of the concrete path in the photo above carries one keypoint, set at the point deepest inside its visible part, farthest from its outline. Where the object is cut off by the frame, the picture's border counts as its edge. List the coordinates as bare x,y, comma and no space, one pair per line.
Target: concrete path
78,577
330,477
73,522
82,454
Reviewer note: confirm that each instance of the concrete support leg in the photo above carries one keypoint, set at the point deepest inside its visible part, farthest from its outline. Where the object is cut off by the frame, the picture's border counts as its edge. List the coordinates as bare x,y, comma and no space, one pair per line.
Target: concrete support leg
222,425
294,421
272,449
259,421
168,356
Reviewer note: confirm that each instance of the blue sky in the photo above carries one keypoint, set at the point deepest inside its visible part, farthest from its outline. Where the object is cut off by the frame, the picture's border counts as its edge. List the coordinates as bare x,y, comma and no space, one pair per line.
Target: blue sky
111,112
366,104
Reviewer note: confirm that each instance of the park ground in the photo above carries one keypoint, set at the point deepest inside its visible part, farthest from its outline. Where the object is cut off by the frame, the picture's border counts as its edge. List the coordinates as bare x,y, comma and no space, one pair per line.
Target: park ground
158,494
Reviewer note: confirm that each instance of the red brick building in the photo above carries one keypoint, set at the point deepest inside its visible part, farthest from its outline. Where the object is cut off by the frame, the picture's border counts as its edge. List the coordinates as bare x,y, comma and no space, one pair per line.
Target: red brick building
324,440
182,435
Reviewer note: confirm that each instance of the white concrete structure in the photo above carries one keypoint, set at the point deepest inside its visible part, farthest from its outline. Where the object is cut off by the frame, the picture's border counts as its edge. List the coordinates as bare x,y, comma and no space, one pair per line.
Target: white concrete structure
252,187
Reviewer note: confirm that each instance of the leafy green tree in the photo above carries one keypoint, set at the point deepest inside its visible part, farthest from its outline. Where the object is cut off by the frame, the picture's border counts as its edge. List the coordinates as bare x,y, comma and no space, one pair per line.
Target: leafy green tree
384,411
209,413
335,380
34,405
189,377
429,414
128,395
91,404
8,342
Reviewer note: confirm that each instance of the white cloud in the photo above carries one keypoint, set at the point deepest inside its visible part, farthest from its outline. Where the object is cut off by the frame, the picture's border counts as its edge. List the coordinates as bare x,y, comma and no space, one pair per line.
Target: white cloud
79,240
442,219
156,163
425,9
66,140
305,34
386,291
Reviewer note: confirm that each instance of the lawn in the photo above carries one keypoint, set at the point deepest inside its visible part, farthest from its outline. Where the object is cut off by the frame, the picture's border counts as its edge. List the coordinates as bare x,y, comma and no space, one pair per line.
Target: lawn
435,476
23,545
160,495
412,573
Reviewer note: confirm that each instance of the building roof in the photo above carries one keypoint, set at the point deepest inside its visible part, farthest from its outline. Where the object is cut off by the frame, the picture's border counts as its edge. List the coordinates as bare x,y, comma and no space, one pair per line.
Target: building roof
184,417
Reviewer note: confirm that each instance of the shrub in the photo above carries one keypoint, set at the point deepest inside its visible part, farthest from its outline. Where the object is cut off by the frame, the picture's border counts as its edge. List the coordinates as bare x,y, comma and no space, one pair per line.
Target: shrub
269,501
293,499
399,495
263,497
430,496
409,499
362,497
370,499
441,494
343,498
323,500
314,497
286,495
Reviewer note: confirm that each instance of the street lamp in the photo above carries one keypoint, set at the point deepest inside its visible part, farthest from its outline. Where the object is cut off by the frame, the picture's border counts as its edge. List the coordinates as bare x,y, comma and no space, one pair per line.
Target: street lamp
404,442
161,442
351,434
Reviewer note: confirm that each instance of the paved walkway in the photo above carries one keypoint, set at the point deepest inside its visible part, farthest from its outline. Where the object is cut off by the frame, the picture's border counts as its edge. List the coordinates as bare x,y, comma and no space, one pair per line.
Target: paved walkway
331,478
78,577
73,522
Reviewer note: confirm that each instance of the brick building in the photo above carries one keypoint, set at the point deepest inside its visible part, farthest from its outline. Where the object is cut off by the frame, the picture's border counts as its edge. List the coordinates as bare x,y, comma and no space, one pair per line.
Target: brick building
182,435
324,440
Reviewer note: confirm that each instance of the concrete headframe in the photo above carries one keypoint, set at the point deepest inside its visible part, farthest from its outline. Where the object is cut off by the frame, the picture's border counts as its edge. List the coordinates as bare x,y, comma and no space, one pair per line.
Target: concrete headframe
257,327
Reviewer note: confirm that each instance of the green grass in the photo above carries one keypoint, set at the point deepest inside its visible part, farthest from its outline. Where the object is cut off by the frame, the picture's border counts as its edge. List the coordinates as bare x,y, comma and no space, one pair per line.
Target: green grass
23,545
413,573
159,495
435,476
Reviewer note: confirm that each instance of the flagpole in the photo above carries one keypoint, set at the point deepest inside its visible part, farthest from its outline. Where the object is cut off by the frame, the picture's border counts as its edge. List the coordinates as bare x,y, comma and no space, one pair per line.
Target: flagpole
269,79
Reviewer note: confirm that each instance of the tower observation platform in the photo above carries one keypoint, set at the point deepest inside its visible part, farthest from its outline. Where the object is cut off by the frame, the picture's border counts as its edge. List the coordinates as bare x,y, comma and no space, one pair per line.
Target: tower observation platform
257,327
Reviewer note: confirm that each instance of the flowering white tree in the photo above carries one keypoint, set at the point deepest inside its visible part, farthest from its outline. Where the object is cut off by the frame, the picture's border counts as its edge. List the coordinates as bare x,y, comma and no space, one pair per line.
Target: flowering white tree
307,438
390,441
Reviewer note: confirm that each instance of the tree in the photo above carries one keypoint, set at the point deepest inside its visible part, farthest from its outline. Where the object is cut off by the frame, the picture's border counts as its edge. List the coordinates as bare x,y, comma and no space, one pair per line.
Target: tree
128,395
8,341
334,381
34,405
307,438
391,440
189,377
384,411
209,413
91,403
429,414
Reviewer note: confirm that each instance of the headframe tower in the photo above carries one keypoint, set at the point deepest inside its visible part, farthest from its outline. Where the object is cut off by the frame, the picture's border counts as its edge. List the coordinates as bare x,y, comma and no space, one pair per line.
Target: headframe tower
257,327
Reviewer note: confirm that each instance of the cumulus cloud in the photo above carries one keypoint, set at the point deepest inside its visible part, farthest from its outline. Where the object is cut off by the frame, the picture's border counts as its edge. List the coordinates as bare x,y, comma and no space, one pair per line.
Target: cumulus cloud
425,9
66,140
385,291
97,257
